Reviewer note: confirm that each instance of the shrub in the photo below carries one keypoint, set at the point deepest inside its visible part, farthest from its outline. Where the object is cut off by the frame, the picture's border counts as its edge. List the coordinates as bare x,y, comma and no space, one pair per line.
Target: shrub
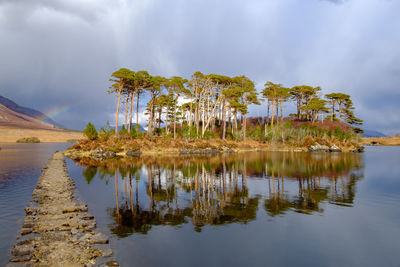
28,140
208,135
189,132
90,132
104,134
123,132
257,134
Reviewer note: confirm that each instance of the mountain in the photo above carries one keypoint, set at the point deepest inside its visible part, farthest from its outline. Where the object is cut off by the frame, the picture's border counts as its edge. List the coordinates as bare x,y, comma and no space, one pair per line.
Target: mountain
371,133
10,118
27,111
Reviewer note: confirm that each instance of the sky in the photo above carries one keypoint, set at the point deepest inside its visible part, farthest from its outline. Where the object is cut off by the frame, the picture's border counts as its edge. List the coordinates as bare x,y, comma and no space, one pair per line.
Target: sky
57,55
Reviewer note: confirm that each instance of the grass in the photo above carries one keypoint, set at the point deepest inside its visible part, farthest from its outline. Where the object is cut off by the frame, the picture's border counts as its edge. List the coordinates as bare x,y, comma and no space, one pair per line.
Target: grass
12,134
28,140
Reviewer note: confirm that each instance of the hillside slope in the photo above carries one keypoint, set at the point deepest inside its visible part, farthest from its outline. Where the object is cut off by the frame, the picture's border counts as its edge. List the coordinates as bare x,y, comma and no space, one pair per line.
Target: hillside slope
10,118
14,125
27,111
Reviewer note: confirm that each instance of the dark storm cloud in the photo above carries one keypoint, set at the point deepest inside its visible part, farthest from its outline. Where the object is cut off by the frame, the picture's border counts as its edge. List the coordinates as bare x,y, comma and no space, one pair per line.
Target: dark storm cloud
56,53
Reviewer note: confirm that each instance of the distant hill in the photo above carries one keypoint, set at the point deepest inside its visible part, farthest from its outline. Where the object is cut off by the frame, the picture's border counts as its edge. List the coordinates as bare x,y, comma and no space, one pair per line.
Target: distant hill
371,133
10,118
27,111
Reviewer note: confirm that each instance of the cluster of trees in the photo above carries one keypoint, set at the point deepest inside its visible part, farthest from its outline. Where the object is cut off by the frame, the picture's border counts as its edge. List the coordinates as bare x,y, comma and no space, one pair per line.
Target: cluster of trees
206,102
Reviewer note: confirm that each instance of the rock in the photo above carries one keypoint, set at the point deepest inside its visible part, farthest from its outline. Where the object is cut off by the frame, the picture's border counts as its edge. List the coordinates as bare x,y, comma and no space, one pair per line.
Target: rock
107,252
17,264
226,149
100,154
112,263
318,148
30,210
83,208
87,216
27,225
22,250
109,154
357,149
25,231
21,258
335,148
74,231
133,153
99,238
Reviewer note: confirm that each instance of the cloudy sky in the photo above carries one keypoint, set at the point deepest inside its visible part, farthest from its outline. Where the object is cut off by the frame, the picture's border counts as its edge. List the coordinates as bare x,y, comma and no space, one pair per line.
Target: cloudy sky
59,54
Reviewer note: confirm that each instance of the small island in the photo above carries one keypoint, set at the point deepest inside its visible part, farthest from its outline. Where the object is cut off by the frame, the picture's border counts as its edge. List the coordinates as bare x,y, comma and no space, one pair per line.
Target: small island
208,114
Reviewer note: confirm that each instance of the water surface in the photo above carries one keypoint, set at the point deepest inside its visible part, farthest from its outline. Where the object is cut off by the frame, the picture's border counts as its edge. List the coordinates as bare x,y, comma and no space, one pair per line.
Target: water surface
251,209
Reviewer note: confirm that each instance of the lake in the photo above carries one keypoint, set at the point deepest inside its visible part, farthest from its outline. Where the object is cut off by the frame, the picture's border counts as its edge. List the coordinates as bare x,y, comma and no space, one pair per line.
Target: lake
247,209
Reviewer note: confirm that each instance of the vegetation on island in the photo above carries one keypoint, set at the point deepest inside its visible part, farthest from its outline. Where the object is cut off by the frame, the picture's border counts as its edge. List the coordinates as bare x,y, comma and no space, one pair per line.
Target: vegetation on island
28,140
213,106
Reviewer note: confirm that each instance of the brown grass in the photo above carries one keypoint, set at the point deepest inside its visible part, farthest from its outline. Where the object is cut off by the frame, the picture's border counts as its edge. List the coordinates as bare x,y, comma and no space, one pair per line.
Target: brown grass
382,141
11,135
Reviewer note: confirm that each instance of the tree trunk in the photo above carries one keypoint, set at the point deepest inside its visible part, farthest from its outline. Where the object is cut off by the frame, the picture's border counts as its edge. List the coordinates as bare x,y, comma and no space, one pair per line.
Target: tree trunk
244,127
176,100
190,115
126,111
235,122
281,111
223,120
137,109
159,118
116,119
130,117
333,110
166,117
301,103
229,117
272,113
298,108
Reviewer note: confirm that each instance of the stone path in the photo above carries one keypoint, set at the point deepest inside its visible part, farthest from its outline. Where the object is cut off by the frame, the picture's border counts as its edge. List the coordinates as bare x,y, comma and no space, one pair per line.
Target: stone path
58,230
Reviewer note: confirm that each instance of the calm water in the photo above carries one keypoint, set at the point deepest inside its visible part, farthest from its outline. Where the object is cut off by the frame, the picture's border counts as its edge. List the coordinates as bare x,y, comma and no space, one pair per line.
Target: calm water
20,168
253,209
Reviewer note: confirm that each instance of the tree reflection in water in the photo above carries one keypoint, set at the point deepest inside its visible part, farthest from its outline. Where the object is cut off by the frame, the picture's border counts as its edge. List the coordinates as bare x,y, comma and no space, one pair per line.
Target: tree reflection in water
214,190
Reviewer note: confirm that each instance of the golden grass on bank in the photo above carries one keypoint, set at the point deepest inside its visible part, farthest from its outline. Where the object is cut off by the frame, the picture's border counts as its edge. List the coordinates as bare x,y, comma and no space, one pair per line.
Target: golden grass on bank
11,135
382,141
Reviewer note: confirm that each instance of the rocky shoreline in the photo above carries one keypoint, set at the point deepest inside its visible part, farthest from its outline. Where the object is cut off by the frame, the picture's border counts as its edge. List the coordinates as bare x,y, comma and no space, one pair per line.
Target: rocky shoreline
58,230
100,154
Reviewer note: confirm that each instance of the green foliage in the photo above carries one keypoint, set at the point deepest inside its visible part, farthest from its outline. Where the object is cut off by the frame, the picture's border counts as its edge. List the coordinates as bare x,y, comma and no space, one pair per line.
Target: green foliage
90,132
257,134
104,134
135,132
123,132
28,140
189,132
209,135
340,134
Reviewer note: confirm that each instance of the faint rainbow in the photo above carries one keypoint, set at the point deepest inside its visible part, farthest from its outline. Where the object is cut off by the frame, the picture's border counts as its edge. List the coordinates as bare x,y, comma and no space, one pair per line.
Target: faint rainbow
56,111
